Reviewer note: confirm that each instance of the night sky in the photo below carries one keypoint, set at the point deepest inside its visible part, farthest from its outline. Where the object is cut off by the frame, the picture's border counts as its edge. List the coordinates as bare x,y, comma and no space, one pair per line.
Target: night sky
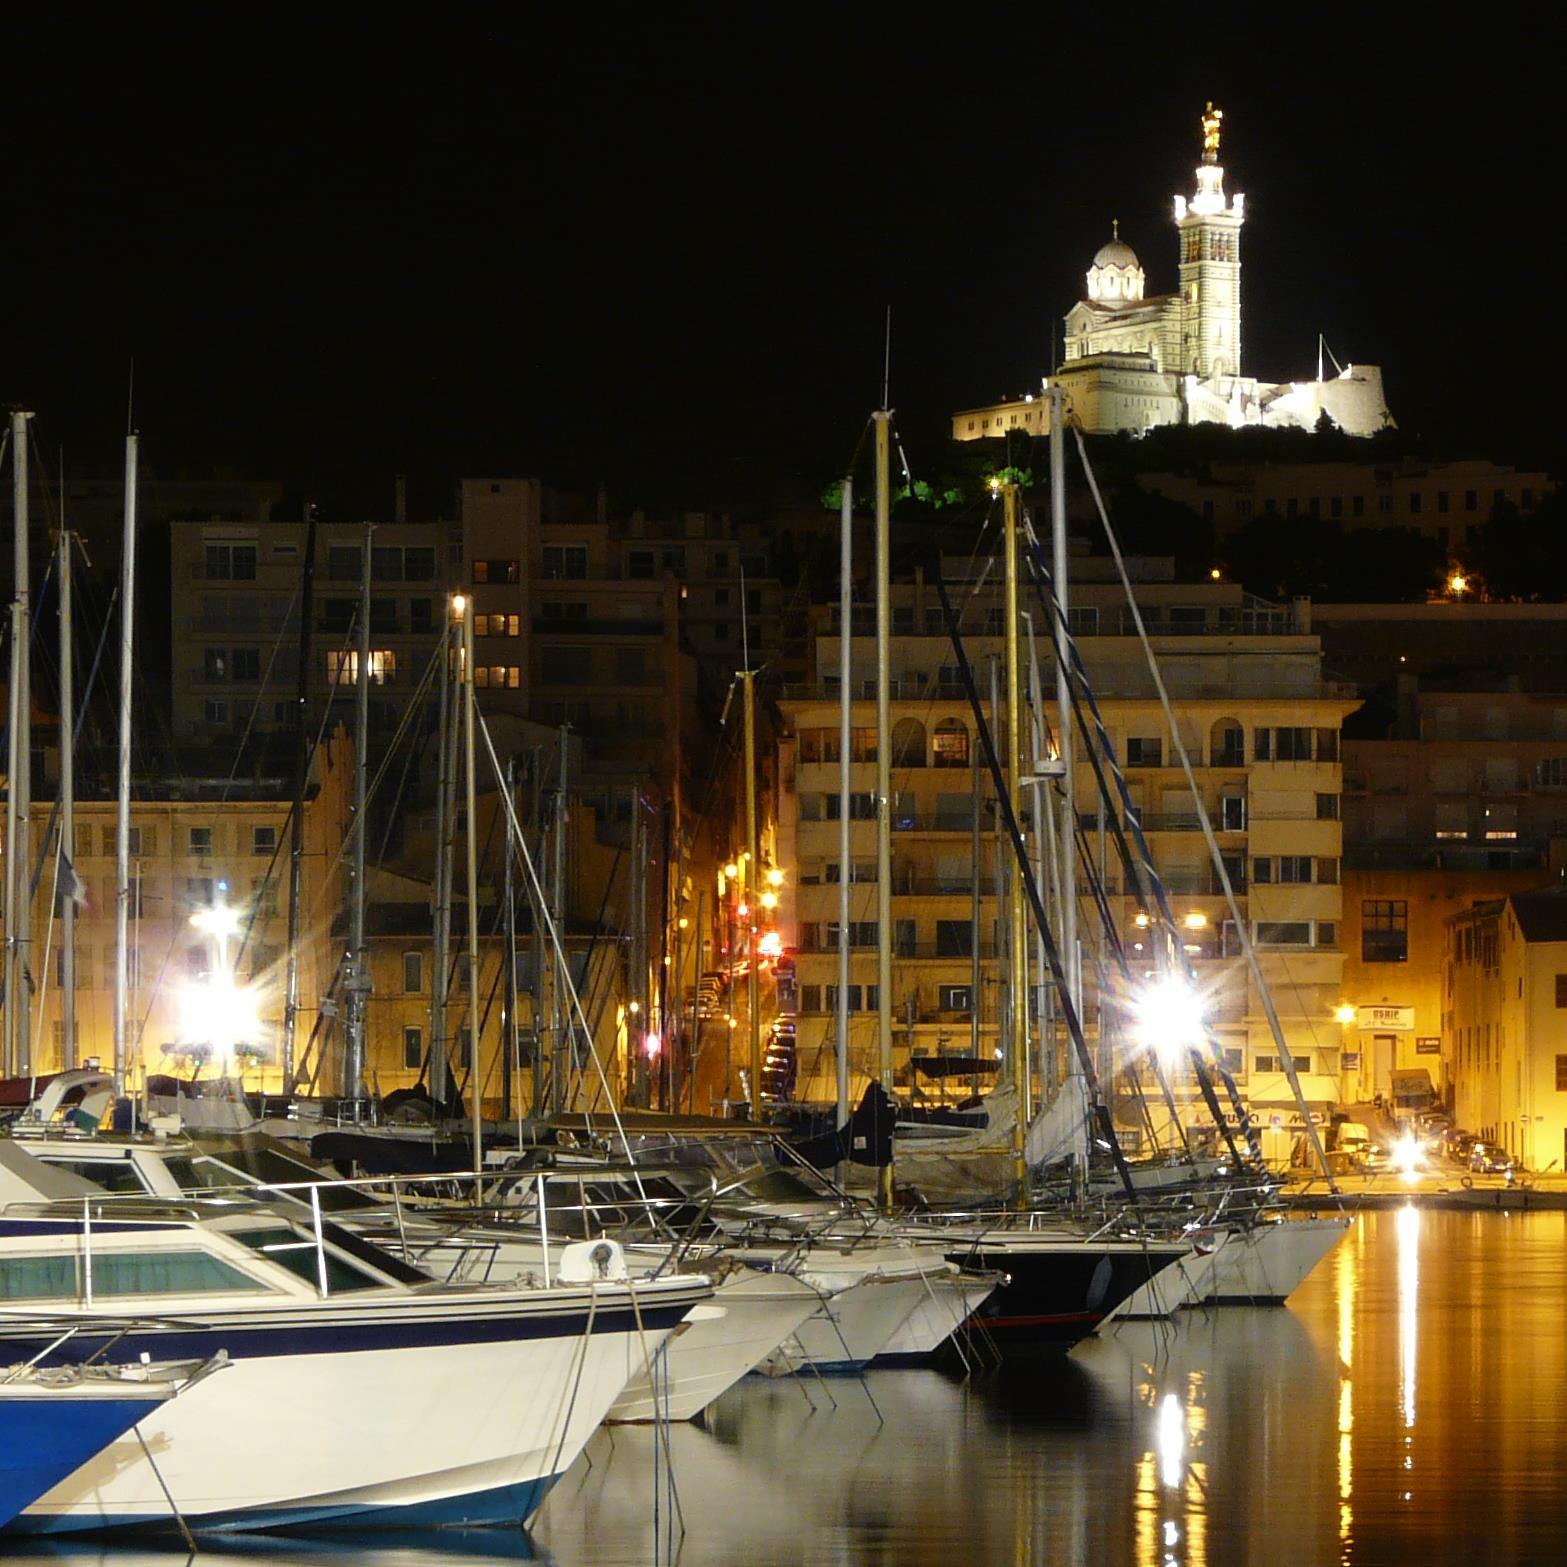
657,248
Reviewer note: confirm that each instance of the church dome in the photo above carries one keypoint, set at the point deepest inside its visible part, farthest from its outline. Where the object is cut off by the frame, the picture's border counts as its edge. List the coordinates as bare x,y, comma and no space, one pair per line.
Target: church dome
1117,253
1116,277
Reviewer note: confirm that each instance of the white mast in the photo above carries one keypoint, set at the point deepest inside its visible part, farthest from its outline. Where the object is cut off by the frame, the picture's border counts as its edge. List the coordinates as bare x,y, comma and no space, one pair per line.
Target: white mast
67,851
122,819
358,977
883,421
18,905
845,707
471,842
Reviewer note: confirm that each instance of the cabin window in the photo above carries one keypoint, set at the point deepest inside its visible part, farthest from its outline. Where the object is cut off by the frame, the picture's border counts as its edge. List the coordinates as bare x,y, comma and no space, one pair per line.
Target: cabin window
38,1278
164,1273
293,1251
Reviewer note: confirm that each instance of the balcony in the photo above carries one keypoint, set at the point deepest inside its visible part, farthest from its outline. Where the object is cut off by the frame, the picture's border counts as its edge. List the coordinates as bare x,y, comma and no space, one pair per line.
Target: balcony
932,886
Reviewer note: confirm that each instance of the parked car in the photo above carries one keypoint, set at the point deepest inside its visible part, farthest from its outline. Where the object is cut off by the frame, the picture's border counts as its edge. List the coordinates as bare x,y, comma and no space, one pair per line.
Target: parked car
1488,1159
1372,1157
1457,1143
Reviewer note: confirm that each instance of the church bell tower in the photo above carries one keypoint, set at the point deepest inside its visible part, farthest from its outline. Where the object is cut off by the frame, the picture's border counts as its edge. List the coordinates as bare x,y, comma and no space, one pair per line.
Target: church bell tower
1209,226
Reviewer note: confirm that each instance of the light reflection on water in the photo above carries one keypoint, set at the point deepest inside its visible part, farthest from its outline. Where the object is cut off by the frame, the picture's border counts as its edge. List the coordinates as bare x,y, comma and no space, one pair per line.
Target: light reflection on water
1409,1407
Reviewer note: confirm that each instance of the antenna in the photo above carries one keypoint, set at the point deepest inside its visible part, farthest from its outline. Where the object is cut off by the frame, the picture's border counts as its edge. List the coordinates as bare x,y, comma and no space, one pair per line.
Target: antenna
130,400
886,363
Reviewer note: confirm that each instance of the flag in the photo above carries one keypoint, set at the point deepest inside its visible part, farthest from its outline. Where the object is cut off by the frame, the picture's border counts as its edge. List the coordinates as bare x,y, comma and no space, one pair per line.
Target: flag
70,886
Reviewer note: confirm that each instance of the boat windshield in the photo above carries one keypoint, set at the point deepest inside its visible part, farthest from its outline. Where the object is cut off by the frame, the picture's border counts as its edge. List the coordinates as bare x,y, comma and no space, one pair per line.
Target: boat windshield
245,1168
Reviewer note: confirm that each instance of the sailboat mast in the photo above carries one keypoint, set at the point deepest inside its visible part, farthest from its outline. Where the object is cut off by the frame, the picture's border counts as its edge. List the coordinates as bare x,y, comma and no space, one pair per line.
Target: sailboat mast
1017,935
296,820
509,1037
122,818
471,845
18,905
751,881
560,1017
845,737
1067,837
883,421
358,968
67,851
441,882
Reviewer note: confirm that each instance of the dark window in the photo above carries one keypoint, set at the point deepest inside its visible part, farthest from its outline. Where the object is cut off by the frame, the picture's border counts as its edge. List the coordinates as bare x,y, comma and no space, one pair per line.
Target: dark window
247,663
960,998
1327,745
1561,1074
386,563
231,562
419,563
640,563
413,1049
216,663
342,562
1384,930
1327,807
506,570
1561,990
421,614
562,562
1142,752
954,939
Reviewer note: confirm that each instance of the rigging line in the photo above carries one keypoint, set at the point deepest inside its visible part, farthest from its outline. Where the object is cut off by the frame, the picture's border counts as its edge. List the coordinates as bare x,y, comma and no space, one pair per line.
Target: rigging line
1042,926
1080,692
1286,1056
255,706
555,942
598,928
1141,872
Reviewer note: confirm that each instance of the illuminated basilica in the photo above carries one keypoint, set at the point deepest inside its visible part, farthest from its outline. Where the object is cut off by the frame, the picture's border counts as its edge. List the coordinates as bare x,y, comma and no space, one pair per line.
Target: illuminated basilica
1134,360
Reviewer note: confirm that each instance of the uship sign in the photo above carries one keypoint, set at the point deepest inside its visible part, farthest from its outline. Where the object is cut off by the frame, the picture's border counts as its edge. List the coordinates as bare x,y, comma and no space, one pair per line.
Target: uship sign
1388,1019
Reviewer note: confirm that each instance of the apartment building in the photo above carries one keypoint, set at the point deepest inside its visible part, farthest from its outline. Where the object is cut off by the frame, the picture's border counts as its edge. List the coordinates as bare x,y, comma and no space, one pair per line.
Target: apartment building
234,607
1447,502
199,841
1465,801
1261,727
1505,1023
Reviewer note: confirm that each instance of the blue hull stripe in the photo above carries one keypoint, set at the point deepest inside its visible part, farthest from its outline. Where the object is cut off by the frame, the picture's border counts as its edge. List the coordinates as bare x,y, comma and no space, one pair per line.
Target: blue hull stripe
503,1505
44,1439
254,1341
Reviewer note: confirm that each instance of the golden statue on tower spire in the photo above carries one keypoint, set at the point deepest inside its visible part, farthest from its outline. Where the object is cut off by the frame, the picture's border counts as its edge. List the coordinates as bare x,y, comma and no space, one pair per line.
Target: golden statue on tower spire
1210,133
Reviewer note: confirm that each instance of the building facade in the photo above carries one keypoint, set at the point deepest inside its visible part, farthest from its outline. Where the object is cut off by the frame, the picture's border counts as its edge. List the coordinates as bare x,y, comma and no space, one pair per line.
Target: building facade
1261,728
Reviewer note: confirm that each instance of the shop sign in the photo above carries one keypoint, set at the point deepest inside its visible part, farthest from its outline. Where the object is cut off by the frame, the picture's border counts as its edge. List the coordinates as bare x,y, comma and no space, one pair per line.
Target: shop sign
1393,1020
1428,1045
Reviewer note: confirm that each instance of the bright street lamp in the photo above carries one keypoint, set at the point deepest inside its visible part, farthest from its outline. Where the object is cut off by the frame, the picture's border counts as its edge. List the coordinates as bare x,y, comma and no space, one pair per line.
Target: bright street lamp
1168,1016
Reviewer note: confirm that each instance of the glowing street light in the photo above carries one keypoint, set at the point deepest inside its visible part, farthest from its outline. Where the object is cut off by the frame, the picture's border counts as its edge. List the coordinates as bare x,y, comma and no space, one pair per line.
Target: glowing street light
769,900
219,1013
775,877
1457,584
1169,1016
1344,1013
220,921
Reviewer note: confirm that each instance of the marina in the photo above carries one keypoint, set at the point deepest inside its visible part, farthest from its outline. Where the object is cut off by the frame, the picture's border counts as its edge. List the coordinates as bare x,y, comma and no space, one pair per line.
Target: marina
1407,1405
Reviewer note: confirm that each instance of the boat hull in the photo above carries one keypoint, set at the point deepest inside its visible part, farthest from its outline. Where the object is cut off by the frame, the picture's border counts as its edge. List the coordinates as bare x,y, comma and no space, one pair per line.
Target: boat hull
1058,1292
947,1305
750,1316
469,1419
1264,1265
48,1433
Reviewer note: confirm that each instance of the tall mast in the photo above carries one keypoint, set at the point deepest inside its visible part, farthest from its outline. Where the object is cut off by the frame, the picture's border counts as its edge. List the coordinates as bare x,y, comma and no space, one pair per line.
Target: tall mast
1017,936
509,1036
845,739
358,969
67,852
471,845
751,880
441,888
560,1019
1067,836
883,421
296,821
18,903
122,819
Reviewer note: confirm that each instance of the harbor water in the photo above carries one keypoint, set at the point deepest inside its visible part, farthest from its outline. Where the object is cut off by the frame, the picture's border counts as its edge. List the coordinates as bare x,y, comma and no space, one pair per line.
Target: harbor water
1408,1406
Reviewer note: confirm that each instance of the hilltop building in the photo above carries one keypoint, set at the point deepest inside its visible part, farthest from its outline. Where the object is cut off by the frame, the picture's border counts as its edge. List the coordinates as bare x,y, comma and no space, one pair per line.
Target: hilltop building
1135,360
